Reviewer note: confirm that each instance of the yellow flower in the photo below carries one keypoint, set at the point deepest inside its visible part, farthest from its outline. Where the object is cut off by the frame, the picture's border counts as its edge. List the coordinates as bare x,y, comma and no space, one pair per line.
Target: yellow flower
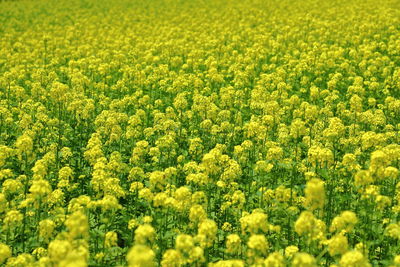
363,178
396,260
11,186
338,245
23,259
12,219
140,256
5,253
197,214
108,203
183,195
354,259
46,228
274,259
24,144
65,173
254,223
393,230
171,258
227,227
263,167
40,188
345,221
305,224
207,232
66,153
238,199
291,250
110,239
6,152
315,194
145,234
184,243
227,263
58,250
147,219
197,178
133,223
39,252
233,243
74,258
258,243
303,260
77,225
136,186
157,179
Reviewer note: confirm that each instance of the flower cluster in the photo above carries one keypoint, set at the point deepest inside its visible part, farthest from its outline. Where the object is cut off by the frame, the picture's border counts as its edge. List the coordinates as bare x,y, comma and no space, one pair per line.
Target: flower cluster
199,133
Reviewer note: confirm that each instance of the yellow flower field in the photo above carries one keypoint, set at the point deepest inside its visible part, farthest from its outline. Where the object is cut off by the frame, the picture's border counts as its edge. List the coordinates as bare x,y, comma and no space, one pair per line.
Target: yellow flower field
200,133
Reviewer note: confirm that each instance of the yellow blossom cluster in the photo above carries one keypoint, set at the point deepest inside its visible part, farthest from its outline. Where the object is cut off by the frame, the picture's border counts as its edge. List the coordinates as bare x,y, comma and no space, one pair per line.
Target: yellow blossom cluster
200,133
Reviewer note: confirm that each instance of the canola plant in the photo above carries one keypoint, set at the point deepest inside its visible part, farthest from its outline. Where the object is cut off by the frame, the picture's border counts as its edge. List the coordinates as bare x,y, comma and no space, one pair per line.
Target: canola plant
200,133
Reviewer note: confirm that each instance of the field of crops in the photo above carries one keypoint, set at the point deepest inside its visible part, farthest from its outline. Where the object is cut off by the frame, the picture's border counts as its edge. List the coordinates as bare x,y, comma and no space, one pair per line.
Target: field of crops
200,133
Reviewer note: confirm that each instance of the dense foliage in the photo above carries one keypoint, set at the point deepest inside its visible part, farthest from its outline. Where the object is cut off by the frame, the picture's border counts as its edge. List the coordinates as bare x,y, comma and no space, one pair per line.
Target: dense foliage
200,133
